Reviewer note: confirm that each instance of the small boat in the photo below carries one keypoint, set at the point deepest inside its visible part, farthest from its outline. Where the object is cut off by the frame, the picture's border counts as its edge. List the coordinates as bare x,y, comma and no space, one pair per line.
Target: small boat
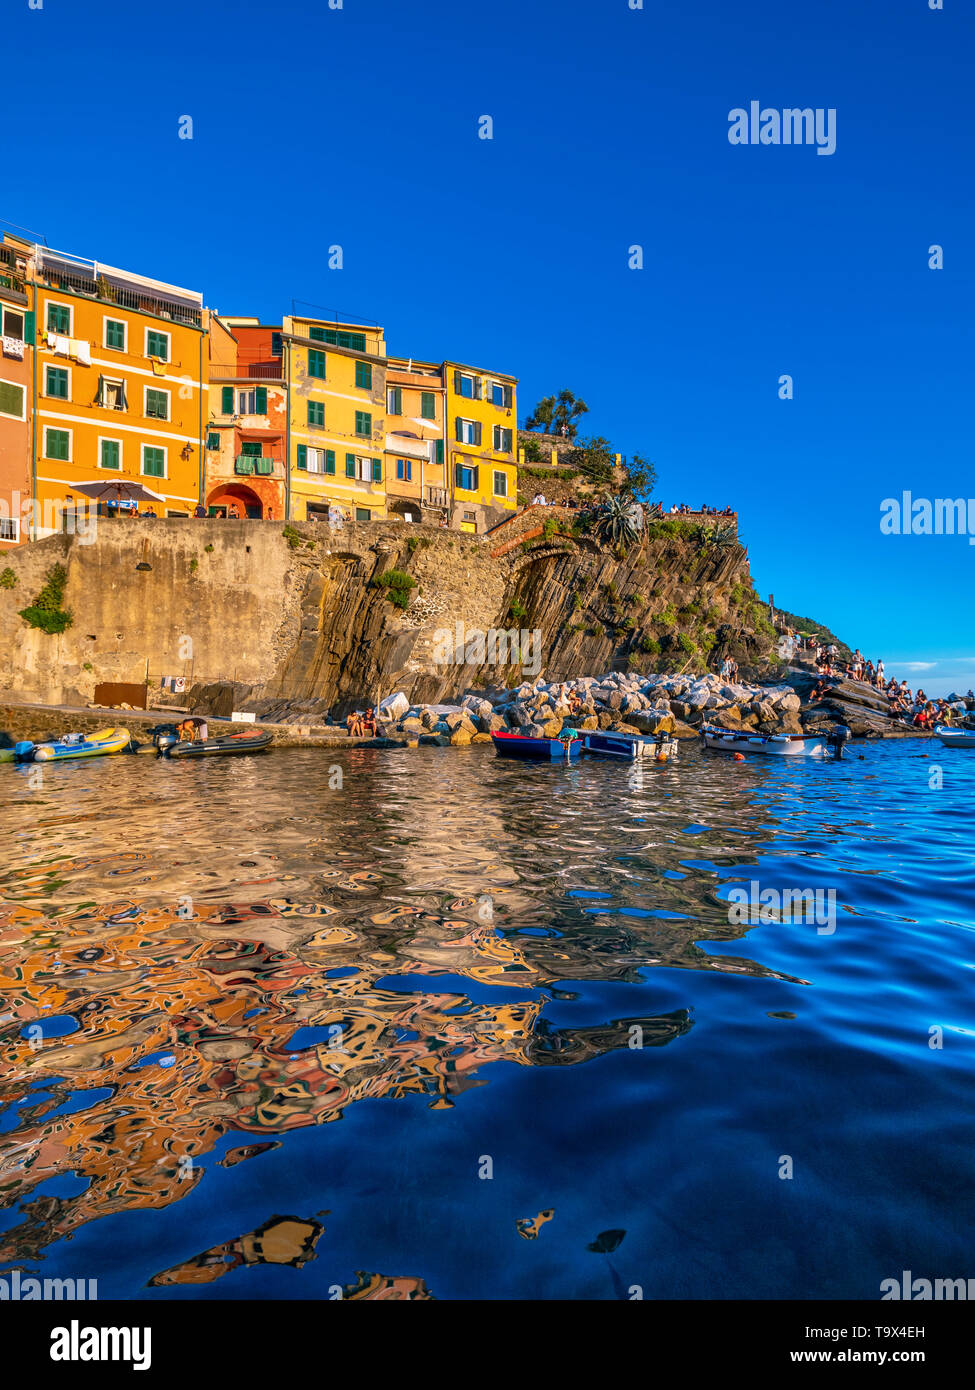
955,738
166,738
629,747
823,743
72,746
568,745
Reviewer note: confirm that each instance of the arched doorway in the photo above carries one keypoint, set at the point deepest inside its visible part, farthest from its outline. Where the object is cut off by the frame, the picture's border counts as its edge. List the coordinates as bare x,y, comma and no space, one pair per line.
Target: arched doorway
222,498
404,507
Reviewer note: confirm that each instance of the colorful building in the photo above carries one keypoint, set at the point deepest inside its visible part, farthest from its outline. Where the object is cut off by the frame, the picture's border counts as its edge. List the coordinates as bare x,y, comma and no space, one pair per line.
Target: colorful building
336,378
247,422
119,385
16,353
481,433
415,464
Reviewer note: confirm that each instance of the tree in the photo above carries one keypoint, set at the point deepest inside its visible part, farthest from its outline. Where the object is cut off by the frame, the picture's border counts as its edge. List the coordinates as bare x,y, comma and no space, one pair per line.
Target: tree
593,458
558,415
641,476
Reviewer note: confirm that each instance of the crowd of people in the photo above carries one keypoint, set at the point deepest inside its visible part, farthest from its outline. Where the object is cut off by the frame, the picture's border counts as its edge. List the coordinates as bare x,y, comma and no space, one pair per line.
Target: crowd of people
911,707
682,509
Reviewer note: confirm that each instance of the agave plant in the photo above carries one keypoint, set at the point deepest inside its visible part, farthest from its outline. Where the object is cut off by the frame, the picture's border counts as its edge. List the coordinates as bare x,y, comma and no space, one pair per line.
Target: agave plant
620,521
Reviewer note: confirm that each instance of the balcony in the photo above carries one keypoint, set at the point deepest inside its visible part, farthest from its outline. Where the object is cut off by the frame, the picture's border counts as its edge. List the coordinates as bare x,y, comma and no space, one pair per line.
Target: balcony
60,270
436,496
248,371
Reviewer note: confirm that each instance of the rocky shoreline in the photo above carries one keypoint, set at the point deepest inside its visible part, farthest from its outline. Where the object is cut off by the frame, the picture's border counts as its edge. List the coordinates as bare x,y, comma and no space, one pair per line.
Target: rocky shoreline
630,703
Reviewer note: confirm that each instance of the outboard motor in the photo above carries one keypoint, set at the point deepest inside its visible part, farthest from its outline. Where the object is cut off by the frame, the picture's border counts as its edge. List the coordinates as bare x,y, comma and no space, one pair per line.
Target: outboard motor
164,737
24,752
839,736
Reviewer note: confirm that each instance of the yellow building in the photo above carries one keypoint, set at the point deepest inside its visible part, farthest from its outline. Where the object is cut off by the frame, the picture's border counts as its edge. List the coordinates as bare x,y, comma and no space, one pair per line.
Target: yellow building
336,377
482,437
415,457
119,386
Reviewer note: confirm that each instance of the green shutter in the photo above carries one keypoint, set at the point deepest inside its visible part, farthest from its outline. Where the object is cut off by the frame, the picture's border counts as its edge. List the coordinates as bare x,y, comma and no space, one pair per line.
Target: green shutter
213,441
456,383
439,453
30,326
262,400
458,430
350,465
428,405
329,460
377,470
302,459
477,433
227,400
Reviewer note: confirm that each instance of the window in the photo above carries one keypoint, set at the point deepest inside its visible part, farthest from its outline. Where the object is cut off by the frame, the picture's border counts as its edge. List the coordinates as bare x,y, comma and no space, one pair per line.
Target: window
247,402
115,334
57,445
339,338
500,484
56,382
153,461
213,440
466,478
363,514
12,400
365,470
316,412
251,448
277,347
111,394
157,404
316,363
404,470
394,400
58,319
110,453
502,440
315,460
363,376
157,344
468,431
500,395
467,386
13,325
428,405
10,528
363,423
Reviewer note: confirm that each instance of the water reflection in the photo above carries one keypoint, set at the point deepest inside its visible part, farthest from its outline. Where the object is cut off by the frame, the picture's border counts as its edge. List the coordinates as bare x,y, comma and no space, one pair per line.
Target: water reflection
191,952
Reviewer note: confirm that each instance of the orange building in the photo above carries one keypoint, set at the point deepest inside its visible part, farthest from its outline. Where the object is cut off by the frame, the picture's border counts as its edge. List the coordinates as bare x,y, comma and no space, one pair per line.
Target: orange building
247,421
16,337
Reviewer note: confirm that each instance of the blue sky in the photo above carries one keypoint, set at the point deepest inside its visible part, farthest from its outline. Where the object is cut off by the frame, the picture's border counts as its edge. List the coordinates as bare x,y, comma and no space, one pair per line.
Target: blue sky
359,127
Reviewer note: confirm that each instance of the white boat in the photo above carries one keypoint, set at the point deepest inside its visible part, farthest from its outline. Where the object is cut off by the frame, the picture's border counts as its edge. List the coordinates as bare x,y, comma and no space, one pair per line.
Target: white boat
827,743
629,747
955,738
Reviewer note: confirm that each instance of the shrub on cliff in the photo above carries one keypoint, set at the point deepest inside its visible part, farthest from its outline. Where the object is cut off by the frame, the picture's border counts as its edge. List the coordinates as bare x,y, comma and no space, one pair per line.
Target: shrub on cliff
397,585
46,612
8,579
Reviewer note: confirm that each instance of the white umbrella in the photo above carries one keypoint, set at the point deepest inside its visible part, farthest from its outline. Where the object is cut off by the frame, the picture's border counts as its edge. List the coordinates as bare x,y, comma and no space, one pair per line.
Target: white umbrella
117,489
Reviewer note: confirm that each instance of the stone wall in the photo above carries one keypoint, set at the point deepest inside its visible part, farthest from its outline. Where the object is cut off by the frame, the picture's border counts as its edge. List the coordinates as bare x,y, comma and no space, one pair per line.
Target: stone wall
256,615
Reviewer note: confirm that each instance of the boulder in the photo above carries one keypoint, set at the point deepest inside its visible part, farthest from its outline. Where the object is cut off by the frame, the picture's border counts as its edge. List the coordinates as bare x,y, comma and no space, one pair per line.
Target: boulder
552,728
394,706
435,740
460,738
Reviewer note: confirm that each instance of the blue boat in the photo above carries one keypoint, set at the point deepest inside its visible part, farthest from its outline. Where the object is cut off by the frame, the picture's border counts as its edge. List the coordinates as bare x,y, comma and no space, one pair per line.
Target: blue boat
525,746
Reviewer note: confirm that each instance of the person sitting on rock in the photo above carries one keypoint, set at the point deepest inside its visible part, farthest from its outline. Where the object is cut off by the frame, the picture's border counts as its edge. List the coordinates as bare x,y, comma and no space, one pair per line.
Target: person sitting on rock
369,726
353,723
575,702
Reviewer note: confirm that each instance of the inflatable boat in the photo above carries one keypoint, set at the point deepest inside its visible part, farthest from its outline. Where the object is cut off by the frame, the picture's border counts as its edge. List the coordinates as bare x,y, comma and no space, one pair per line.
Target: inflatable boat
72,746
171,744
